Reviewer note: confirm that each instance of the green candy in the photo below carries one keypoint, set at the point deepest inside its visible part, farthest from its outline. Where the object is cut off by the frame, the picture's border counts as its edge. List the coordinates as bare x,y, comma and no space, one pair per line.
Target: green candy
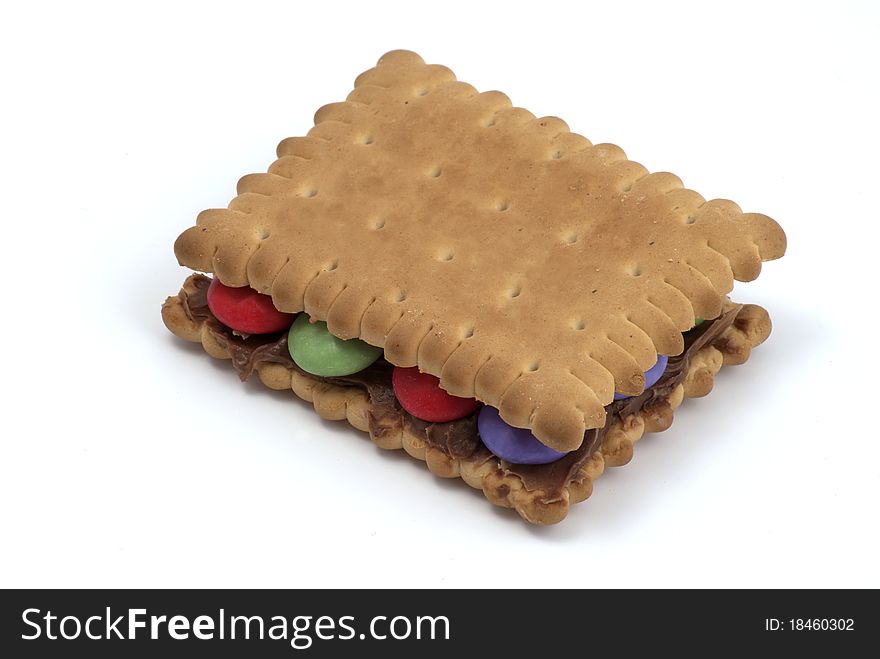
698,321
317,351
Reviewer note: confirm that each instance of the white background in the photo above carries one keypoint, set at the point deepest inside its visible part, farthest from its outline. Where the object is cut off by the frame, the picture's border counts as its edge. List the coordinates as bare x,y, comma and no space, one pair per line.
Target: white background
131,459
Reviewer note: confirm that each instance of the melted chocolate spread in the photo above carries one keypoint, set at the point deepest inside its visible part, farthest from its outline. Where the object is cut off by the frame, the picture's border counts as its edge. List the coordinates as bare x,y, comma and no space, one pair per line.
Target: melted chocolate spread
458,439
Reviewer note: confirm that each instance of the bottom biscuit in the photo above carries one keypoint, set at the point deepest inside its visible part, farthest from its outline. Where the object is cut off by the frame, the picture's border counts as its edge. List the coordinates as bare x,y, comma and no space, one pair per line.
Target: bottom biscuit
541,494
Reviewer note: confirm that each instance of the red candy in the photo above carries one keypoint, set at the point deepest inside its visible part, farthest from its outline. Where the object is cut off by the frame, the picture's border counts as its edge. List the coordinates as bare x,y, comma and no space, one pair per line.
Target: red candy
420,395
245,310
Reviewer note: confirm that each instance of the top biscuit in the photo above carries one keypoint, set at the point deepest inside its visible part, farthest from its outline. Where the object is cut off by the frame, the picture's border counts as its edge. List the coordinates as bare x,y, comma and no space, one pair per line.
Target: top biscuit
513,259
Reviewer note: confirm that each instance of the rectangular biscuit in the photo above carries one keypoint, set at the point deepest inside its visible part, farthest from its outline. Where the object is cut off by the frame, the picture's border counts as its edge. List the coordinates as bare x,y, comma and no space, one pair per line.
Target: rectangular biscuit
514,260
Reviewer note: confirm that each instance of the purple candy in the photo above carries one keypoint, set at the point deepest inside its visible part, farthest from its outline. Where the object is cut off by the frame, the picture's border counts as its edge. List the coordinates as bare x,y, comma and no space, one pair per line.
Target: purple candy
516,445
651,375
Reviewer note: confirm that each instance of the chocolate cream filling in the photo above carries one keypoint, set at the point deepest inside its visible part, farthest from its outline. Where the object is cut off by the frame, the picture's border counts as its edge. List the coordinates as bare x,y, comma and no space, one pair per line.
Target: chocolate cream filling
457,439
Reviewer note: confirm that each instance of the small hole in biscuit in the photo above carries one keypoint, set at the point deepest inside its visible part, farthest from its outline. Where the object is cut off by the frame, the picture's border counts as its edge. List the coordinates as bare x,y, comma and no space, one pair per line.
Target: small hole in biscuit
332,266
534,366
400,297
557,155
690,220
423,91
489,123
515,292
378,224
503,205
311,192
571,239
368,139
579,325
435,172
264,233
627,187
447,256
651,243
468,333
636,271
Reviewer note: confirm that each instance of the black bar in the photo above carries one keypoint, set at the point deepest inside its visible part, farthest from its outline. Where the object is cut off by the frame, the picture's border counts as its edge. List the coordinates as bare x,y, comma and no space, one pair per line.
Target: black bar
506,622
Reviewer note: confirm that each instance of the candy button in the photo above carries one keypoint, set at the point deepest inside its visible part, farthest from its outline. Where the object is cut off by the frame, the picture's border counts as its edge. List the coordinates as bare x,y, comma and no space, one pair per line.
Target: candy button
651,375
245,310
420,395
318,352
516,445
698,322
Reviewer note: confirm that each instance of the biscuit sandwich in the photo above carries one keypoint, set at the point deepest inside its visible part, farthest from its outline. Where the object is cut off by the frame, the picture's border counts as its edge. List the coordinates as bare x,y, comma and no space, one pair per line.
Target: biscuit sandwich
484,289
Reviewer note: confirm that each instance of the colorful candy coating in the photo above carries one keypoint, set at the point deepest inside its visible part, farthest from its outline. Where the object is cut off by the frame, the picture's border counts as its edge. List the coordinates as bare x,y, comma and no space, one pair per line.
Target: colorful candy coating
698,321
651,375
317,351
420,395
516,445
245,310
